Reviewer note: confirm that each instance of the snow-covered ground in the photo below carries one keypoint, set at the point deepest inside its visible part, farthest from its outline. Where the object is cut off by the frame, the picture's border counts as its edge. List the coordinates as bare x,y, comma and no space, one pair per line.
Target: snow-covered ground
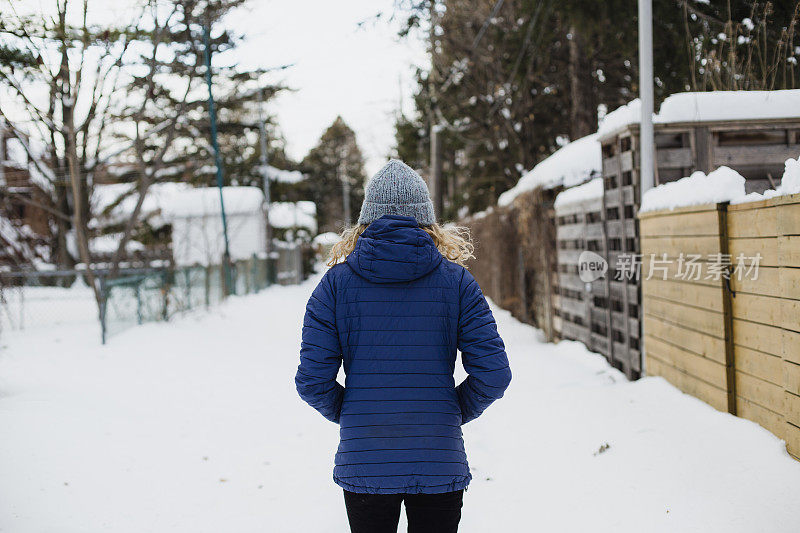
194,426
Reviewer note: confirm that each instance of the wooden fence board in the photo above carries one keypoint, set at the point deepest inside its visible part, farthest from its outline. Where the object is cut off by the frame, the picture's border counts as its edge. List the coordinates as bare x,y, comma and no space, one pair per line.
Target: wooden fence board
766,394
792,437
689,224
769,420
670,272
739,156
790,346
756,336
791,377
687,293
788,219
790,282
791,405
757,308
753,222
713,396
766,284
767,367
693,341
705,369
768,247
674,246
789,250
790,315
690,318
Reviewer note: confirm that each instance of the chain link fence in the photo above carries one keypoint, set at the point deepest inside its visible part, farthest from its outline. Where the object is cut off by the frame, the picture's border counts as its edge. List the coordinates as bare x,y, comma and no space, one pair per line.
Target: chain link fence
35,300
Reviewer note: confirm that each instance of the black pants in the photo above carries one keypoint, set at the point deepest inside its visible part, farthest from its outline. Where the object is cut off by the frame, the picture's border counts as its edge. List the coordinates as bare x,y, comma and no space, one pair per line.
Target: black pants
426,513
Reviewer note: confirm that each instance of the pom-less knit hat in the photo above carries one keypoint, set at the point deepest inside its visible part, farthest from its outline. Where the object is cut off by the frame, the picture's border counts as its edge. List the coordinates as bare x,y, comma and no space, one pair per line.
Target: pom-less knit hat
397,190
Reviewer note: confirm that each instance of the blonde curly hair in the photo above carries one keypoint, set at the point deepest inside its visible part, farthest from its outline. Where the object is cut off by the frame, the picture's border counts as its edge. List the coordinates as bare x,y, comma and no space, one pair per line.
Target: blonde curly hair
454,242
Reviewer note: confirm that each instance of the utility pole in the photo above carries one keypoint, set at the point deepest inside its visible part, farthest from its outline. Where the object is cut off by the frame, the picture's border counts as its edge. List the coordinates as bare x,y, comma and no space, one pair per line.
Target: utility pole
341,170
646,139
436,185
226,258
262,129
435,173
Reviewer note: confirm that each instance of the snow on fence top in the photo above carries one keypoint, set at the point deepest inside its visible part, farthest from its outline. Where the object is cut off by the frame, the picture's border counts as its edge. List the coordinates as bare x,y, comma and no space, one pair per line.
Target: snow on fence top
570,165
721,185
707,107
790,184
588,191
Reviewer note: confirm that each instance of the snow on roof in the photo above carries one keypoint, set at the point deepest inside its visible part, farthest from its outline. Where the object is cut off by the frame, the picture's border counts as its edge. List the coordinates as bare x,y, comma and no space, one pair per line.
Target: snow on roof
721,185
570,165
173,200
709,106
285,176
205,201
301,214
588,191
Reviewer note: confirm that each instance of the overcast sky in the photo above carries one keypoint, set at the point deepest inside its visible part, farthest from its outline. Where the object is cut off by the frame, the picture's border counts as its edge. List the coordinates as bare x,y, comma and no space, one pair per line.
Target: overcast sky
360,74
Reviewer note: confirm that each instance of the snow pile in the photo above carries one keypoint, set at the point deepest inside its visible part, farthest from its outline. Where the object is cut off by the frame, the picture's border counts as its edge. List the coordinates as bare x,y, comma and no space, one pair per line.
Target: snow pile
588,191
790,184
195,426
722,185
709,106
301,214
570,165
284,176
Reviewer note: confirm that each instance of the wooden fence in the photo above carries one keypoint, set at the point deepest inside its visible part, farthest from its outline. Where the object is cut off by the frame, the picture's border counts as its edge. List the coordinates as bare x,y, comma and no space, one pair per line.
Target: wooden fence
734,343
583,308
515,249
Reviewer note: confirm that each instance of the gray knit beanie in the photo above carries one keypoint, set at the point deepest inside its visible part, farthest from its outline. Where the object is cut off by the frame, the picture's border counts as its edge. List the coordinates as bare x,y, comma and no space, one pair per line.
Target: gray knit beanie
397,190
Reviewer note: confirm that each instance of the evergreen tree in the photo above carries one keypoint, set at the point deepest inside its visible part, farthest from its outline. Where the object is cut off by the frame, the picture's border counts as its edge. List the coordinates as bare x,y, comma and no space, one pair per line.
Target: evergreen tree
335,159
511,81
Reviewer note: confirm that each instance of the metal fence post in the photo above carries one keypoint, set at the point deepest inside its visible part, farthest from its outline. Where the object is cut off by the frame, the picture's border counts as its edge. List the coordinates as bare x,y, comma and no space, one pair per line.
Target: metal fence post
102,304
254,273
139,319
165,296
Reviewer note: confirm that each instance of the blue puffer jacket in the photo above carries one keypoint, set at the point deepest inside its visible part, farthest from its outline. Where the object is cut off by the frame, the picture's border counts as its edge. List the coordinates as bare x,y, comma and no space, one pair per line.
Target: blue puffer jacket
395,313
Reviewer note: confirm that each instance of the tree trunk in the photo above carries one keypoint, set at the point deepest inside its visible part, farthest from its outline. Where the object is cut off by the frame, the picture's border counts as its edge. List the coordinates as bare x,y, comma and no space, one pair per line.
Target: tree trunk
583,106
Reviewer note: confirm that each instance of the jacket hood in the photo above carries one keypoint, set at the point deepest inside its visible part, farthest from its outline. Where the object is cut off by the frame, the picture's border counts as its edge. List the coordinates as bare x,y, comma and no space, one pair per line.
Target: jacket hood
394,248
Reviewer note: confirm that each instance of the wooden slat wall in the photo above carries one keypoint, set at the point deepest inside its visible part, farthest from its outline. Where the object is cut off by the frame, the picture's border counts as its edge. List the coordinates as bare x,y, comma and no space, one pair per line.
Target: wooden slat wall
584,314
766,315
686,331
737,345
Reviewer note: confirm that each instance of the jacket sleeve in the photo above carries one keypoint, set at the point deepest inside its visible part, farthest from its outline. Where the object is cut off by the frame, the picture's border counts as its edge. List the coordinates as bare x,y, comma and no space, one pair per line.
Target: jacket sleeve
482,352
321,354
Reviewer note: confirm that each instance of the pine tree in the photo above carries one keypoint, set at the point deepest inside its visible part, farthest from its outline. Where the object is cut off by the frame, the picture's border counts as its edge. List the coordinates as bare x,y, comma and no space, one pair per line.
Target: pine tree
335,158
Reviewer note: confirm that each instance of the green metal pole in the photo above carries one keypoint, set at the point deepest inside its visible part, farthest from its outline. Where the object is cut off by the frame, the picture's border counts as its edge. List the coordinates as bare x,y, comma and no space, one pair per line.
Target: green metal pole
226,259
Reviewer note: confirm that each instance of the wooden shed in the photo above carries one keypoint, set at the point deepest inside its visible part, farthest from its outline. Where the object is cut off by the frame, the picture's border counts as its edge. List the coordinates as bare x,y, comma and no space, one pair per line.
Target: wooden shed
756,148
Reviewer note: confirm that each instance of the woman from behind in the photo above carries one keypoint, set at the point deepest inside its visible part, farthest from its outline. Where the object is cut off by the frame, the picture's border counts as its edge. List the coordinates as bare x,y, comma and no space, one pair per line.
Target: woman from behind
395,307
